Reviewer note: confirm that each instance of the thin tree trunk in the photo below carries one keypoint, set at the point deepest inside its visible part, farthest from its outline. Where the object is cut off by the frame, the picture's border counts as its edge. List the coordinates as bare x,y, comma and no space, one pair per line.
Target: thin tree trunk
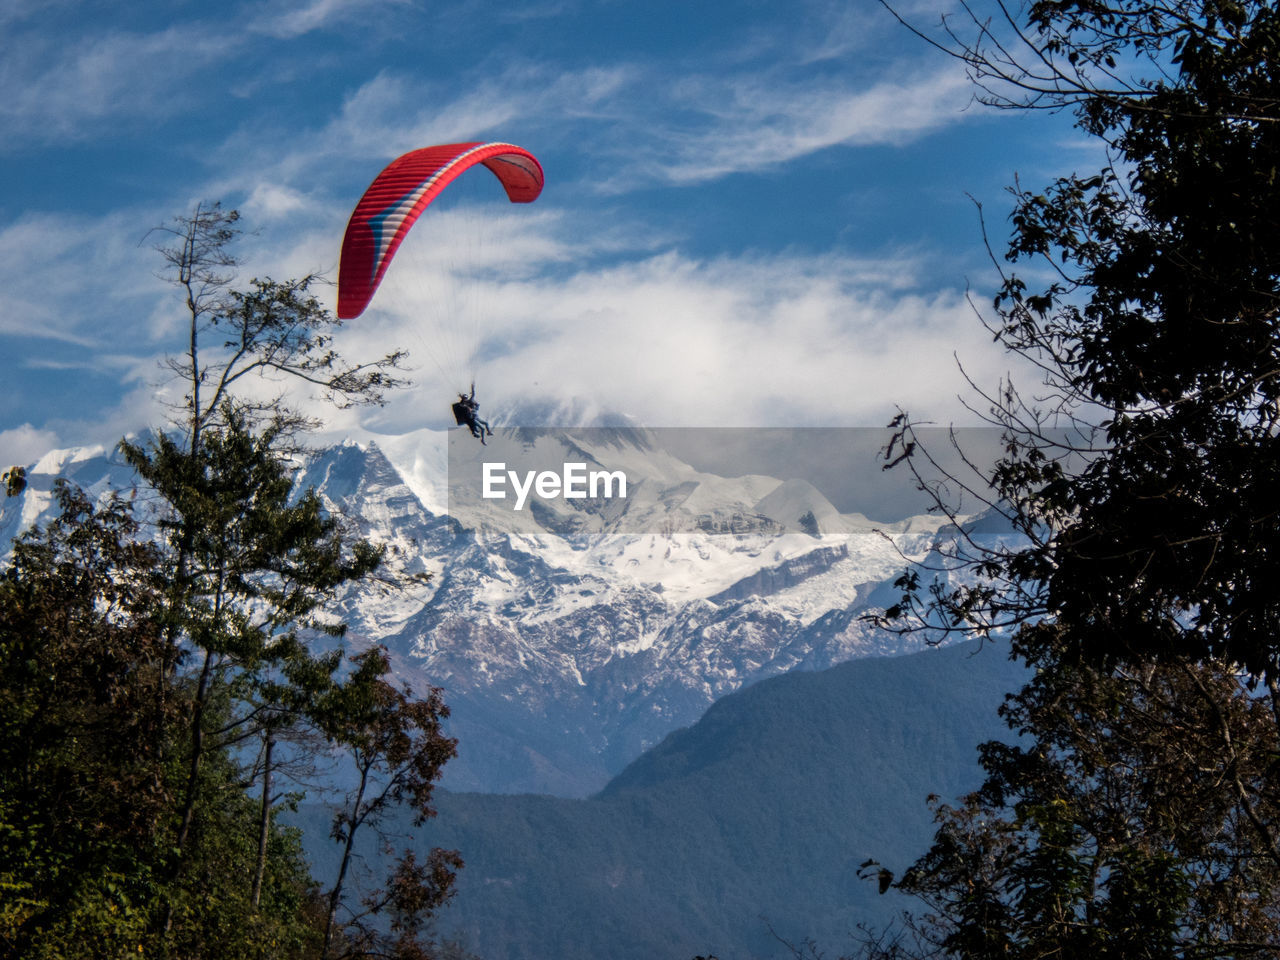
193,779
197,749
264,819
335,897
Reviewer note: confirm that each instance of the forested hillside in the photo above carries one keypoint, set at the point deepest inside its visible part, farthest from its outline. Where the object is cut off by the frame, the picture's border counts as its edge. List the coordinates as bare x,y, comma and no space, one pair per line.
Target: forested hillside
758,816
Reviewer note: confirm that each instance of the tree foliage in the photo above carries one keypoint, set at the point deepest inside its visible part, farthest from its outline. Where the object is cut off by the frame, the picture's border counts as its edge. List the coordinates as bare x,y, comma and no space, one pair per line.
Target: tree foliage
92,731
398,749
82,717
1137,816
157,664
1143,472
1136,820
272,332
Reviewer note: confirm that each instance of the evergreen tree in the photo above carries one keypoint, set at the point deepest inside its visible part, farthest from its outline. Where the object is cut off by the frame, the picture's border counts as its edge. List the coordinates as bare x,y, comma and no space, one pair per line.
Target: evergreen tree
92,713
139,666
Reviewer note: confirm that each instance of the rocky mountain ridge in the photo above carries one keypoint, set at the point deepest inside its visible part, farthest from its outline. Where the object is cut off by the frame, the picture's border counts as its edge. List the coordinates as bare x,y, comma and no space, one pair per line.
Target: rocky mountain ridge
565,649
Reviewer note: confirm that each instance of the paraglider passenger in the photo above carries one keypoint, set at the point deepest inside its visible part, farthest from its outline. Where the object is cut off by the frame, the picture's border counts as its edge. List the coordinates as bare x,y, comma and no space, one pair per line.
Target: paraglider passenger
465,411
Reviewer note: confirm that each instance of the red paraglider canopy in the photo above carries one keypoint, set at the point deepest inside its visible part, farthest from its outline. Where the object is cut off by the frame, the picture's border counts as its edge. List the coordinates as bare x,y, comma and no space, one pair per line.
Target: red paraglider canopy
399,195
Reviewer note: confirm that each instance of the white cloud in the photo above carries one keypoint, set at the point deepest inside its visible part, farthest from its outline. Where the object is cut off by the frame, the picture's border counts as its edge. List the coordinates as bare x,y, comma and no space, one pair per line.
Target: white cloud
751,123
57,89
15,11
271,202
389,114
743,121
839,31
534,10
674,341
67,278
392,113
286,19
22,446
739,341
748,342
647,127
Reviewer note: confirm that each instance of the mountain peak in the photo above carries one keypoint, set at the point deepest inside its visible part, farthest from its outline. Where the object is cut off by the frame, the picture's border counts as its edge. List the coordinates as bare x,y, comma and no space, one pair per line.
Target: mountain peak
568,647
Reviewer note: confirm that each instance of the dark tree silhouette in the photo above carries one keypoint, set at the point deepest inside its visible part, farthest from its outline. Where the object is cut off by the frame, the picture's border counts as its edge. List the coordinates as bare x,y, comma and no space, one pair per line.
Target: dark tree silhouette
1139,814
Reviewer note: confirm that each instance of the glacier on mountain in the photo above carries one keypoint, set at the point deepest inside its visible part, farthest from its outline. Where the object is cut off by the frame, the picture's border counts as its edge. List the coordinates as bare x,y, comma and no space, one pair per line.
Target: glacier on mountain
566,649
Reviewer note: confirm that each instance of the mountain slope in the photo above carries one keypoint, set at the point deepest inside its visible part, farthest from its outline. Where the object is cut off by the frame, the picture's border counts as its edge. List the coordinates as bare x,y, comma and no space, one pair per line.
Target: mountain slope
756,816
565,655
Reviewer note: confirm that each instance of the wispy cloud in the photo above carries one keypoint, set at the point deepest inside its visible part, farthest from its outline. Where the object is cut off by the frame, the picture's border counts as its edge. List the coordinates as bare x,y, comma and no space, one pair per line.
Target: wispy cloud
16,11
25,444
59,90
836,30
673,340
535,10
741,341
748,123
51,271
390,114
651,128
98,362
592,300
393,112
287,19
89,283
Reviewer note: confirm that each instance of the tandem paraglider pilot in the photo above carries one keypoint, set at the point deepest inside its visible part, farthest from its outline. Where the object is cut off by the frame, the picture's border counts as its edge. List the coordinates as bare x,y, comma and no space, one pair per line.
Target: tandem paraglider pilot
465,412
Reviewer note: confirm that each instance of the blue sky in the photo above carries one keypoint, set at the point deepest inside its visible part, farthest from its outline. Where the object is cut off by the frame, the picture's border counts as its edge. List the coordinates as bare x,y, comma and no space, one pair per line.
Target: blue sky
755,213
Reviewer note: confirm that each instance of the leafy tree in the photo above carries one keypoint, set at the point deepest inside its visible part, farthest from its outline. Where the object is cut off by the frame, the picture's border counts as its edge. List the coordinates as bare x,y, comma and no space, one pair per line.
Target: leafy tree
140,664
81,663
1144,474
1135,821
271,331
254,563
1138,817
91,716
398,750
248,567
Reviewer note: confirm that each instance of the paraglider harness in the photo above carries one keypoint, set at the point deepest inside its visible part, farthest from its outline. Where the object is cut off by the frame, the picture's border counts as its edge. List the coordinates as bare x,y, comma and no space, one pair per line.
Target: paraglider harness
464,412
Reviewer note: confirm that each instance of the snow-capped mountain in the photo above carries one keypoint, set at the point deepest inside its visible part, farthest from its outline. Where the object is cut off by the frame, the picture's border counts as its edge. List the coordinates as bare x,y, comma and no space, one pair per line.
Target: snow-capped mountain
565,648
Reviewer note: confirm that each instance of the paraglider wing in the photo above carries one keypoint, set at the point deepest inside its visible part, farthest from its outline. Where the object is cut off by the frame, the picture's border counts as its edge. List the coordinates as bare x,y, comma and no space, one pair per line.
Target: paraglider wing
399,195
